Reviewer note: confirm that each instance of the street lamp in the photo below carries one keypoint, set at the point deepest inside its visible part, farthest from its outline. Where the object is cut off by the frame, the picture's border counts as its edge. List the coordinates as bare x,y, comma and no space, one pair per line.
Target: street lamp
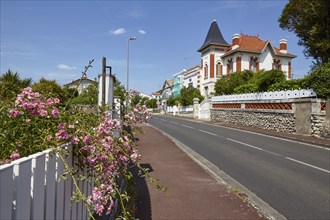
127,69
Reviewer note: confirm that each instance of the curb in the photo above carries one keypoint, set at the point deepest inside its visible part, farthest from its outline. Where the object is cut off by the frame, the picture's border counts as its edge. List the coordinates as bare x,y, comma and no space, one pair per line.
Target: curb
220,176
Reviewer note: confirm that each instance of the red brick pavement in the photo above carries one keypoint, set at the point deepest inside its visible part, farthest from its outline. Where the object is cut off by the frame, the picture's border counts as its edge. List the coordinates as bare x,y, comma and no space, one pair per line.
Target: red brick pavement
193,193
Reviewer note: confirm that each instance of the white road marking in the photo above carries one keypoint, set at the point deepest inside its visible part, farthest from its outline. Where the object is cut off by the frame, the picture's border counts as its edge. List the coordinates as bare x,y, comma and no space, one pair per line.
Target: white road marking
266,135
207,132
257,148
248,145
288,158
173,122
307,164
187,126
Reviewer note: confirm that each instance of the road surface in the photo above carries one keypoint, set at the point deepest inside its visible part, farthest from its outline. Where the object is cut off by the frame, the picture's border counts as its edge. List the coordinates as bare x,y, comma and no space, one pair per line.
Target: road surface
292,177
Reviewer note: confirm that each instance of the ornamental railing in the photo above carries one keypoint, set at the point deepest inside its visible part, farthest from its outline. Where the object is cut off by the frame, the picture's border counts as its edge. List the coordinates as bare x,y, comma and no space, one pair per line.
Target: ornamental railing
289,94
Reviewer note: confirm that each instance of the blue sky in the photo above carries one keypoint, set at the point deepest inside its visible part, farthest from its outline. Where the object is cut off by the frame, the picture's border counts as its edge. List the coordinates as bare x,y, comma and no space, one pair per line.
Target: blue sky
56,39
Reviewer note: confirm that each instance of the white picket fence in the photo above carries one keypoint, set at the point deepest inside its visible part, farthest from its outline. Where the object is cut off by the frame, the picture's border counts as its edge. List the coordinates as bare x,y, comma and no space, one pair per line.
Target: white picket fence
289,94
183,109
30,189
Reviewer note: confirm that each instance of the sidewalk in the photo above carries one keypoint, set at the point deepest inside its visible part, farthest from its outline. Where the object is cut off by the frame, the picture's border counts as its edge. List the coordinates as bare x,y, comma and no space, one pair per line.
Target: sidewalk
193,193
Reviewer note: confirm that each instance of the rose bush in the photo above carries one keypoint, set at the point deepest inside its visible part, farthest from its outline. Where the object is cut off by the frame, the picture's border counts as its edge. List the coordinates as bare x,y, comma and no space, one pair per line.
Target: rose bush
100,144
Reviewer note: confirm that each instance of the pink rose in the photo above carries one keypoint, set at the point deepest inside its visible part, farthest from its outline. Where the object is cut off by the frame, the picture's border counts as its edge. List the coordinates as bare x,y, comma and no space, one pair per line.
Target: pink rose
49,101
14,156
55,112
14,113
87,139
57,100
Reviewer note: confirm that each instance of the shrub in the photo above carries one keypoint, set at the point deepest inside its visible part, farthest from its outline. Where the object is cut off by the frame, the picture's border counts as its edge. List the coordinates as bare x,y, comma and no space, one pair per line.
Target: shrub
319,80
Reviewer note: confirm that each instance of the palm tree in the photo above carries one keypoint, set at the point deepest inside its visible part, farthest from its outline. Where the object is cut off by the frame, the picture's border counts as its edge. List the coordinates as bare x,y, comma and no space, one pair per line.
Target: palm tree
11,84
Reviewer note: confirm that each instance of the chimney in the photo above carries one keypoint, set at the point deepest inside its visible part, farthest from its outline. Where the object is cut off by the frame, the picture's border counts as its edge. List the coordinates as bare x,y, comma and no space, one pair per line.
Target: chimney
283,46
235,41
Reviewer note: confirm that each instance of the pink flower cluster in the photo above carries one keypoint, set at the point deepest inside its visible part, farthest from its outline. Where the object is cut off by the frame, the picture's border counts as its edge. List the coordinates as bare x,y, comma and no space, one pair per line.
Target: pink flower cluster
102,202
139,114
34,104
109,155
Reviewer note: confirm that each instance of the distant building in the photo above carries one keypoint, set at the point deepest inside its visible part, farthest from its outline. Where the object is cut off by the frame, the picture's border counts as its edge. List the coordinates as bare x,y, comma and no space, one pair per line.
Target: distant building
156,95
83,84
192,77
246,52
144,95
166,93
178,83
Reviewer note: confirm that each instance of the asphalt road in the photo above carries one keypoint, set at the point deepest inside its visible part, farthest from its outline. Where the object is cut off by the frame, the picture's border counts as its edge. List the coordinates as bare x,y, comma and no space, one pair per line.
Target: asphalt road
292,177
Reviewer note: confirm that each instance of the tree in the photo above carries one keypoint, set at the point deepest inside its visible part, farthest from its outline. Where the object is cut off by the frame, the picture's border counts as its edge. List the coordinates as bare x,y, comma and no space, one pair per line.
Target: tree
310,21
288,85
173,100
319,81
188,94
50,88
227,84
11,84
265,79
151,103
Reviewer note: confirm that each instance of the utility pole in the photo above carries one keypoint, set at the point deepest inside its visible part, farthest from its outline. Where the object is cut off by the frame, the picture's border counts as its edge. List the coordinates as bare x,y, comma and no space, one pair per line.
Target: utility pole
103,79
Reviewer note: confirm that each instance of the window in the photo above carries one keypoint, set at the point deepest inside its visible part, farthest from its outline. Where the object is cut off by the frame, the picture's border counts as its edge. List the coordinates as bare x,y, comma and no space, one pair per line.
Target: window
219,70
254,64
277,65
206,74
190,84
229,66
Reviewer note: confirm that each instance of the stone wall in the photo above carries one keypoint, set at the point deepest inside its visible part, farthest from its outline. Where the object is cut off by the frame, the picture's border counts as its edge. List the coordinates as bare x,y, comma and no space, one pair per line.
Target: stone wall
320,126
283,122
301,116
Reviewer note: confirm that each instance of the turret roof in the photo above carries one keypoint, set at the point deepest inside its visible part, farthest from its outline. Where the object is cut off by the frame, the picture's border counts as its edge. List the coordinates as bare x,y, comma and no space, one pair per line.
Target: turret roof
213,37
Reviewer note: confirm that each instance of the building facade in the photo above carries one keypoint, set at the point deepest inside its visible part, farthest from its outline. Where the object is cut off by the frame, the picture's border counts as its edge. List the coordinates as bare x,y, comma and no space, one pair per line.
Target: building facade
192,77
166,93
178,83
80,84
246,52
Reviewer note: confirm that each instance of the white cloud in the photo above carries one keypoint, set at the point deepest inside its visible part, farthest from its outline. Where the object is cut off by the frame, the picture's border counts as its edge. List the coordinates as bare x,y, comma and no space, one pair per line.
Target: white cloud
66,67
142,32
118,31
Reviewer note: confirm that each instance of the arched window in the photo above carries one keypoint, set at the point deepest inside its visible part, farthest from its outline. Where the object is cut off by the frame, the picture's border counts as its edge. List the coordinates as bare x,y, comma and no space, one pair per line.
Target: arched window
219,70
229,66
206,71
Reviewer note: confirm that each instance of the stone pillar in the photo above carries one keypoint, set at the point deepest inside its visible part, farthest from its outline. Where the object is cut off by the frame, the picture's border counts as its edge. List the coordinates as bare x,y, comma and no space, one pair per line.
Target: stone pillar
196,107
326,124
327,110
303,117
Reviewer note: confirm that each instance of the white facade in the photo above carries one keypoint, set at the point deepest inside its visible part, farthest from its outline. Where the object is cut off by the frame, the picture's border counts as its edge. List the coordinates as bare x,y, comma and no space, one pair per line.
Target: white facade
246,52
79,84
192,77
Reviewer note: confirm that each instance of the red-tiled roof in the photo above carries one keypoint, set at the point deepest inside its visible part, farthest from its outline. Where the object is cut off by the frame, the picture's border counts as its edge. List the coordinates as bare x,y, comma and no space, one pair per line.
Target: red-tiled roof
247,42
252,43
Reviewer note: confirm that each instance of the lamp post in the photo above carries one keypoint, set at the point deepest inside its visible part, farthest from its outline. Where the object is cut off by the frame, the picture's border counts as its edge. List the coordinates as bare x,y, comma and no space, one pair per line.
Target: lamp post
127,70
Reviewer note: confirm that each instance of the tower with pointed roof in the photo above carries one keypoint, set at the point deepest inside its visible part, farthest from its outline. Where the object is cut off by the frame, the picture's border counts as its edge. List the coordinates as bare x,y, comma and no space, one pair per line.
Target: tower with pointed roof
246,52
212,49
